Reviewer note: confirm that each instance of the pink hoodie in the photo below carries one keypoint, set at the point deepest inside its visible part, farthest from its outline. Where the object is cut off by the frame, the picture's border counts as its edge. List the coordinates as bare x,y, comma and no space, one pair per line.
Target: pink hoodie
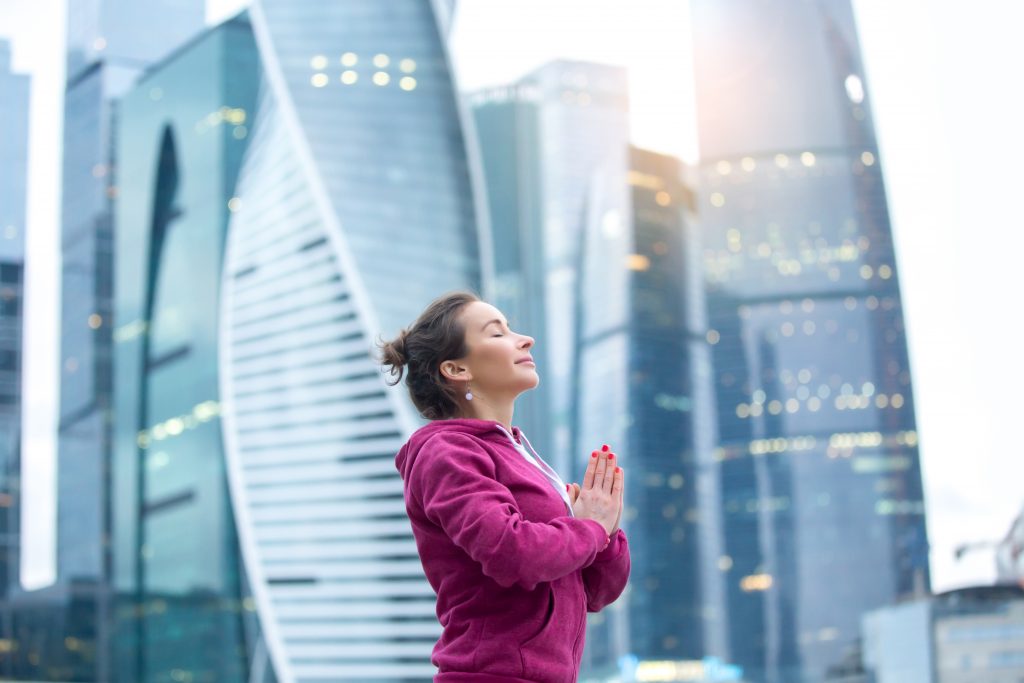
515,573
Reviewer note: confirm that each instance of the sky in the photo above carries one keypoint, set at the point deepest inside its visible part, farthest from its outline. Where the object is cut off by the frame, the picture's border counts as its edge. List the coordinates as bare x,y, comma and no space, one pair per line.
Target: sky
942,80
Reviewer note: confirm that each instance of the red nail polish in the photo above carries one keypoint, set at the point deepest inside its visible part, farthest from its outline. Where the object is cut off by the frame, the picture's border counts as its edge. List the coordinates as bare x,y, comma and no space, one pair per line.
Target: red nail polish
594,454
566,487
604,448
611,456
618,469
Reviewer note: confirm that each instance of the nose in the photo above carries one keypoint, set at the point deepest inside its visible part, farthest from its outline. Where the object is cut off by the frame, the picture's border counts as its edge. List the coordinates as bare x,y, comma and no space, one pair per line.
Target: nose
529,341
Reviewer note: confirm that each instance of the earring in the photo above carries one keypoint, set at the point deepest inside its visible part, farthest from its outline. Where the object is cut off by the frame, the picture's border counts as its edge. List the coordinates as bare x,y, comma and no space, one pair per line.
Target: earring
469,394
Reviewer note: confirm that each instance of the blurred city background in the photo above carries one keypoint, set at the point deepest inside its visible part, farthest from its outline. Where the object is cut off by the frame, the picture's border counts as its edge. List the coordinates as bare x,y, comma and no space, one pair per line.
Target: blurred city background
765,249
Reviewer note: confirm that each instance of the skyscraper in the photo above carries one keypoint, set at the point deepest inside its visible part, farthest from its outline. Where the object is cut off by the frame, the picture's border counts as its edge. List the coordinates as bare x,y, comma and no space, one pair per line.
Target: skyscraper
547,142
14,105
181,603
818,470
643,385
109,43
355,208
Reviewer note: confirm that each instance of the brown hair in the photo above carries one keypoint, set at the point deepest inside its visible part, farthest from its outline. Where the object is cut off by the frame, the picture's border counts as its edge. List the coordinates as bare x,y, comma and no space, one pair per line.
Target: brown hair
437,335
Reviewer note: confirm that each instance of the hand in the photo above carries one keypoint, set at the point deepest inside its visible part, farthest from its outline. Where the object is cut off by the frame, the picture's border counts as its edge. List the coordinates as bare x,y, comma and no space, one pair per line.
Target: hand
574,493
600,497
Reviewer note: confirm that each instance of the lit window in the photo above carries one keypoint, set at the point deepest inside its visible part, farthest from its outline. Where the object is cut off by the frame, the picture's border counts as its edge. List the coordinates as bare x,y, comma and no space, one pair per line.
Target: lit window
867,158
713,337
319,62
866,271
407,65
854,88
318,80
349,59
781,160
723,167
348,77
742,410
381,78
381,61
787,329
756,582
814,404
99,44
234,204
717,199
896,400
807,159
775,406
95,321
748,164
884,272
792,405
637,262
407,83
663,198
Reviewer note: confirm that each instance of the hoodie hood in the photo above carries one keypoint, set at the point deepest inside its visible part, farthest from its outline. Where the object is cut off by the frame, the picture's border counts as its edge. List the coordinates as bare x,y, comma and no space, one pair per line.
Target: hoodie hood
490,430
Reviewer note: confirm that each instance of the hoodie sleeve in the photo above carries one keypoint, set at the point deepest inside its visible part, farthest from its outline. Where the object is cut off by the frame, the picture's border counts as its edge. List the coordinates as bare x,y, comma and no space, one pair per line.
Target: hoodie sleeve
455,480
605,579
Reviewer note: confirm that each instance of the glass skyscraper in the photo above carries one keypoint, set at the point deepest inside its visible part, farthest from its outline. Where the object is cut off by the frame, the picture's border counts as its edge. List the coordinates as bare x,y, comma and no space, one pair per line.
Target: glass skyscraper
817,459
643,385
547,143
14,105
355,207
182,610
109,43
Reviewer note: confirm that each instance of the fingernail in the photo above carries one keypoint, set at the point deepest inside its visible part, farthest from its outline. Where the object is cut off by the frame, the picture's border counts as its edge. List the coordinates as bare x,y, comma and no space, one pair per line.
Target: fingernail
611,456
617,470
594,454
604,448
566,487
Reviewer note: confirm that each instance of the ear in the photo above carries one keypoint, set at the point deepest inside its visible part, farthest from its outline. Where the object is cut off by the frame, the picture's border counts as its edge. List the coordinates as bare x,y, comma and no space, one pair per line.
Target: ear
451,370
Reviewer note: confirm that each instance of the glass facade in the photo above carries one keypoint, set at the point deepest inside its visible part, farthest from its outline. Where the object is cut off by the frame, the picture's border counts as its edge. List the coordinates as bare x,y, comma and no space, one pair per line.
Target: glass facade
817,459
355,208
546,142
108,46
644,387
14,106
182,611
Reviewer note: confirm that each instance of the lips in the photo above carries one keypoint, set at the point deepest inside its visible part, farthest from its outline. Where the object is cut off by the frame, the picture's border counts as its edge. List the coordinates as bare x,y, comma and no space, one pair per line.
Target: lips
528,359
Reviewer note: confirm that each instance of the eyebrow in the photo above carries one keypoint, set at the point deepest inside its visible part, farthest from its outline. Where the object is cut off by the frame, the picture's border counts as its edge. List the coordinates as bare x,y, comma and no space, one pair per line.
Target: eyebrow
496,320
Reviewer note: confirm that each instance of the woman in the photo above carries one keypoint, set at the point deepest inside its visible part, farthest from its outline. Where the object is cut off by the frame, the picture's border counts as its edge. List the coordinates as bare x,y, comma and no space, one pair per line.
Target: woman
517,558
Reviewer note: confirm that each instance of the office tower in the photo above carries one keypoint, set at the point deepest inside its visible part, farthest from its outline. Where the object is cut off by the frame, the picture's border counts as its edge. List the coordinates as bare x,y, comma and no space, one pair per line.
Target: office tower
644,385
354,209
547,142
182,610
109,43
818,471
14,106
961,636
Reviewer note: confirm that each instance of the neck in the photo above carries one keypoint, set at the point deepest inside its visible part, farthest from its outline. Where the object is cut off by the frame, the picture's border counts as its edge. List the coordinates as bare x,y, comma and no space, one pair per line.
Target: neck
479,410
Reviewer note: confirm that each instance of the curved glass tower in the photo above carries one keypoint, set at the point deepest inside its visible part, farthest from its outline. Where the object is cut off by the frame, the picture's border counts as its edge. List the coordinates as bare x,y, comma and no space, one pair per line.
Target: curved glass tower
817,465
354,209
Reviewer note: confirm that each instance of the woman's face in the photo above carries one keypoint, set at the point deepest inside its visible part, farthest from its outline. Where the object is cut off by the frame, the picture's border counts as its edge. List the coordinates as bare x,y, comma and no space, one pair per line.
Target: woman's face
498,364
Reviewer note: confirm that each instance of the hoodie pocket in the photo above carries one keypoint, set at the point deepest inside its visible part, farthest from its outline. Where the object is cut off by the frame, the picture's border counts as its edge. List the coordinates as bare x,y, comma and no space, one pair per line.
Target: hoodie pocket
547,654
